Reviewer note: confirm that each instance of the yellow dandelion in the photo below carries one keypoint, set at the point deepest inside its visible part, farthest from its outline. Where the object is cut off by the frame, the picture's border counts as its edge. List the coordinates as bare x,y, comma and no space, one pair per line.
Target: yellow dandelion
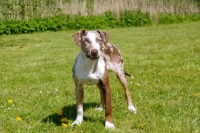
64,119
18,118
64,125
10,101
196,95
60,112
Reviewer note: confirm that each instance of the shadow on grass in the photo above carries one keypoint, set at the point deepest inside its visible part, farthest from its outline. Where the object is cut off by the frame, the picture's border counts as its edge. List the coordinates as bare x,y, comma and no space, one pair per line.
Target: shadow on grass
69,112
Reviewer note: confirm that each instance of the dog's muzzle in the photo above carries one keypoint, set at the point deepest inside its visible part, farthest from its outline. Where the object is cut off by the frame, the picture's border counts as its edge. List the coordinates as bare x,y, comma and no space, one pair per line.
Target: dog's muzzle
94,54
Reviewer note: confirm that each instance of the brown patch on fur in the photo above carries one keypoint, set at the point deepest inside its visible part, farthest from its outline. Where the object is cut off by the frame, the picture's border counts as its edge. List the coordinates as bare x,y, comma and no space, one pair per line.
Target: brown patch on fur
78,37
105,88
113,53
104,36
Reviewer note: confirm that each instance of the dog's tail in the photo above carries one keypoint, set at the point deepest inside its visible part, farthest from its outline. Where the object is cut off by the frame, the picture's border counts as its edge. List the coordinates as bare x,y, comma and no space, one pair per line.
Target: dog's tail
127,74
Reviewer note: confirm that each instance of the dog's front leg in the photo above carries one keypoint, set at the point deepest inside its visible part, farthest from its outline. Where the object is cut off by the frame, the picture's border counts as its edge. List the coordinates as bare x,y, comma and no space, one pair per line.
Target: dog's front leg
102,96
105,87
79,104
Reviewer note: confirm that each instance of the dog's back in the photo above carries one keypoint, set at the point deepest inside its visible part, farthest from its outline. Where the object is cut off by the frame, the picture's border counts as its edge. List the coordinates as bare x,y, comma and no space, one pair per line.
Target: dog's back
114,59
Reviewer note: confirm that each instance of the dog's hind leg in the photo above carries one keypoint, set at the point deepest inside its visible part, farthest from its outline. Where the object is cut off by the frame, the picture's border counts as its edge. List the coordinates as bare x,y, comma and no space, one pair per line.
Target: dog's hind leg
121,77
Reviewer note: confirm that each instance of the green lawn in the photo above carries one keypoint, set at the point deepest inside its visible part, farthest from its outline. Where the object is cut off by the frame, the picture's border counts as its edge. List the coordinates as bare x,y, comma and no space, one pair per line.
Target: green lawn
35,75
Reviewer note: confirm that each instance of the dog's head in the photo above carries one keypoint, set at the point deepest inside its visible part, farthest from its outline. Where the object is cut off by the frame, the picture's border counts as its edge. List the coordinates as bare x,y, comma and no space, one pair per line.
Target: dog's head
91,42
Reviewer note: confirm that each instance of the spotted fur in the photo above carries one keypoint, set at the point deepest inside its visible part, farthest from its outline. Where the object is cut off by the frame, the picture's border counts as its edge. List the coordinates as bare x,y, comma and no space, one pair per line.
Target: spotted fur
90,68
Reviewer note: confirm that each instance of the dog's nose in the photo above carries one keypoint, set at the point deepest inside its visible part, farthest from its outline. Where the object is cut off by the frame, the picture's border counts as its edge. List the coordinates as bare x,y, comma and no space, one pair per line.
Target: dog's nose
94,52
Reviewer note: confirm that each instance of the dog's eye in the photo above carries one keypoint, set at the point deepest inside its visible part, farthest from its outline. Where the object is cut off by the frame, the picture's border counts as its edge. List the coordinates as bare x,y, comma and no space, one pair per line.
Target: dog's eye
86,40
99,41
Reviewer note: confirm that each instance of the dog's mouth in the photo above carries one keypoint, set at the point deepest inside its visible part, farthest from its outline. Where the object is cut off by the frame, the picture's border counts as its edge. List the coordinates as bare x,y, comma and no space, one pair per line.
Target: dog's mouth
92,57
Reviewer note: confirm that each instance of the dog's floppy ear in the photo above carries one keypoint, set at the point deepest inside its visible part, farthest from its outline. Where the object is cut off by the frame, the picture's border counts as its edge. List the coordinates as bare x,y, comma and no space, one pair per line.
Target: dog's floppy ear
78,37
104,36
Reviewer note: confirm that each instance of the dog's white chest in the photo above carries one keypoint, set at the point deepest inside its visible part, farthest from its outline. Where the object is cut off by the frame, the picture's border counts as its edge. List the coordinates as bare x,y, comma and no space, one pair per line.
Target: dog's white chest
89,72
90,79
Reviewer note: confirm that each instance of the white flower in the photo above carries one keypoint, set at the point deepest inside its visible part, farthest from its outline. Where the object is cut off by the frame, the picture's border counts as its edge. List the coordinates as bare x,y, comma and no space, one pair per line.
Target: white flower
48,92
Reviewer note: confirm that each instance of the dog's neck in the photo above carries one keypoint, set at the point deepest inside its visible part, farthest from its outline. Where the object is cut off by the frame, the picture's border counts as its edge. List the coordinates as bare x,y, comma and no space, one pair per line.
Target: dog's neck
88,63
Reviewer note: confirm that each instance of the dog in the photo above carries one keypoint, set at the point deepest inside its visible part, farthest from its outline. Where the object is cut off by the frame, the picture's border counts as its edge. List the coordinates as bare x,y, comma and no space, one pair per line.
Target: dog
91,66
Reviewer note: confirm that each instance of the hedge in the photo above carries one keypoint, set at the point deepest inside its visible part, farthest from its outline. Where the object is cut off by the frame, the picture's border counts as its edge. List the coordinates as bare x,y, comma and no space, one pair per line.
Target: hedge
106,20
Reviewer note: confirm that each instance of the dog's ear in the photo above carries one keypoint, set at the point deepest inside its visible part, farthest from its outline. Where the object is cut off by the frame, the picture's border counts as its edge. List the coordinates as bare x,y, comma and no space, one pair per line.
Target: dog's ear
104,36
78,37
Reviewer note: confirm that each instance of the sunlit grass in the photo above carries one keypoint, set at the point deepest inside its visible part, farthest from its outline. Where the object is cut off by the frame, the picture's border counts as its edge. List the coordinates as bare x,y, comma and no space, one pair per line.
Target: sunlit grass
37,91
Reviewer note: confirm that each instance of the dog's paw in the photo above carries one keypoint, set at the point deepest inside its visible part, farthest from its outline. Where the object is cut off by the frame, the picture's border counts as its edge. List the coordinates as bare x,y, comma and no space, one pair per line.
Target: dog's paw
99,109
109,125
132,109
77,122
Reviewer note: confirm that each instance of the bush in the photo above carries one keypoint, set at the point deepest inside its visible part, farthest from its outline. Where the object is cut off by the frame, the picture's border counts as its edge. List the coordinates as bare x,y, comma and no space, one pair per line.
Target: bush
169,19
134,18
106,20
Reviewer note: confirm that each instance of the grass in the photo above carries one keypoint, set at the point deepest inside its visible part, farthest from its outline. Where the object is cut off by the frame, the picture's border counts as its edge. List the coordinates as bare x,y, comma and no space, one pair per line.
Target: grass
35,75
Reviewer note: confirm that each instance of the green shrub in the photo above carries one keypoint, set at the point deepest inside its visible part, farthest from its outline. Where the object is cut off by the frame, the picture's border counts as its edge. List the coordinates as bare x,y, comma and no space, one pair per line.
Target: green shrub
193,17
105,20
170,19
134,18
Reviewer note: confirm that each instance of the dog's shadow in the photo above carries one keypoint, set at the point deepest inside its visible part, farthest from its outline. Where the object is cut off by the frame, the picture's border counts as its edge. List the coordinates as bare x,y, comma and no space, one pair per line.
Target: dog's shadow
68,112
